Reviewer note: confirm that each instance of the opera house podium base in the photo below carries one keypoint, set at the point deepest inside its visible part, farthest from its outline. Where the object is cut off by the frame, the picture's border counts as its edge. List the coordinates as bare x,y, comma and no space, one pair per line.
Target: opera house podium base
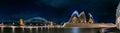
88,25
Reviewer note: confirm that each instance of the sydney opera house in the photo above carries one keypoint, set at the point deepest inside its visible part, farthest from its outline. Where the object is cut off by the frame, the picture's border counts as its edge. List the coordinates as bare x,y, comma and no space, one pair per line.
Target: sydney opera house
80,20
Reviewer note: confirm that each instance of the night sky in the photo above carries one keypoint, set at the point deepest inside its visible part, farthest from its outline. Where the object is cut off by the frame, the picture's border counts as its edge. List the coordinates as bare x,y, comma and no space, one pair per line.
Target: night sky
58,10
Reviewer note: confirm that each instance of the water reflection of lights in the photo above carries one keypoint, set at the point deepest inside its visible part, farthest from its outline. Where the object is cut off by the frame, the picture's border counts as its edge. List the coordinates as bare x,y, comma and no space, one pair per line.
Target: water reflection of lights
13,29
41,28
36,29
103,30
48,27
48,30
75,30
22,28
30,29
41,31
2,29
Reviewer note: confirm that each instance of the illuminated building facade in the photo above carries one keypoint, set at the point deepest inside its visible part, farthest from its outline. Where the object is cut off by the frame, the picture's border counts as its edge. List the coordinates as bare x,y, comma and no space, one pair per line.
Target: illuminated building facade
21,21
91,20
51,24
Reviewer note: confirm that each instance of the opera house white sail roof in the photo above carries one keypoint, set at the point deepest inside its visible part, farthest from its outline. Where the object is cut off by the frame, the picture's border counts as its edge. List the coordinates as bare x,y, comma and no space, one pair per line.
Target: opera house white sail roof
77,18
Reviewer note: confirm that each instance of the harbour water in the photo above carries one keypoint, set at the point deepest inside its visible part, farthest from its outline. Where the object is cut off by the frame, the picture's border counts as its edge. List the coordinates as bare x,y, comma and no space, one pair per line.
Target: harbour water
50,30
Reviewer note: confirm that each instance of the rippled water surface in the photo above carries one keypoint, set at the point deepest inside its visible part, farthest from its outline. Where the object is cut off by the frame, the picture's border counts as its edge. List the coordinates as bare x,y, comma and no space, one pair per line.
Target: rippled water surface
49,30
